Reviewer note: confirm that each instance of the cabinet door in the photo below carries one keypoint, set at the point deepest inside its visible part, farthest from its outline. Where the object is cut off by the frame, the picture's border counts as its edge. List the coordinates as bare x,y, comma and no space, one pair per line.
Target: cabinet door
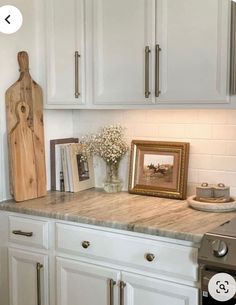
141,290
121,30
65,36
28,278
193,36
85,284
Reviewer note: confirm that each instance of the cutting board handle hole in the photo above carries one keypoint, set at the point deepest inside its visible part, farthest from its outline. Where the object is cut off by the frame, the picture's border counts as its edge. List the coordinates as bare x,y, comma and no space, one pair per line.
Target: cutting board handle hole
23,109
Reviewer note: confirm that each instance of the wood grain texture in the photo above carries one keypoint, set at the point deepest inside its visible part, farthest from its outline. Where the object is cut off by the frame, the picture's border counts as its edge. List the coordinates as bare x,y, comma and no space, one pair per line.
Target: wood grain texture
27,91
21,140
144,214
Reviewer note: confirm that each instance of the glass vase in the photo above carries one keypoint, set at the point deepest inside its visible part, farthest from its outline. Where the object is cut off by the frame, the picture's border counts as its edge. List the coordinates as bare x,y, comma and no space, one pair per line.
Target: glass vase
112,182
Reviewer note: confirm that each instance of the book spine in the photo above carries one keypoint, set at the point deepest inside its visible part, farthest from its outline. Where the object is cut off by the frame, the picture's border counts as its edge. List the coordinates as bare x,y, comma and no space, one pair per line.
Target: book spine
64,168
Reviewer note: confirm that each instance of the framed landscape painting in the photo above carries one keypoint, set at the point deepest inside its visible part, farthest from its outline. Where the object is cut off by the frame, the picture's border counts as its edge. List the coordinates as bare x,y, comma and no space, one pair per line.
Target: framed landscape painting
159,168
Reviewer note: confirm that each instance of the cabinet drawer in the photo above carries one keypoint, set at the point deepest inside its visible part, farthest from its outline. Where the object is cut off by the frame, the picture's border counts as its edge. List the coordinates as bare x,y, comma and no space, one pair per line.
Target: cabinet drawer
149,255
29,232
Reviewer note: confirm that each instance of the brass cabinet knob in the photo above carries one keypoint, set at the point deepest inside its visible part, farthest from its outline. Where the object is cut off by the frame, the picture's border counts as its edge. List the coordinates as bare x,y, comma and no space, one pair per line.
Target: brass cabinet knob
150,257
85,244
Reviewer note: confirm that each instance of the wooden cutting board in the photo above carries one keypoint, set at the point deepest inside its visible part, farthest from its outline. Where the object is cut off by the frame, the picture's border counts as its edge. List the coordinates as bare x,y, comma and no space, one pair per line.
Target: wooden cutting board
24,112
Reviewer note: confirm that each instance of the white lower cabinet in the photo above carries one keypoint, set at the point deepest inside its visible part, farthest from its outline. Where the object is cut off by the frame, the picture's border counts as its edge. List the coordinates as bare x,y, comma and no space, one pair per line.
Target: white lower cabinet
140,290
85,284
80,283
28,278
96,266
102,267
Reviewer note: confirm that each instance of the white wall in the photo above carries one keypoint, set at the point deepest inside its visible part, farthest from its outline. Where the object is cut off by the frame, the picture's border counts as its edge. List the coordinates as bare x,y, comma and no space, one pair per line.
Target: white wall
10,45
211,133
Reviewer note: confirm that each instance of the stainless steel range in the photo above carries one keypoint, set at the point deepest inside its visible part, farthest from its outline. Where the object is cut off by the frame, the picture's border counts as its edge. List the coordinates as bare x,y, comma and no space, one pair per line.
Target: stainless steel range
217,260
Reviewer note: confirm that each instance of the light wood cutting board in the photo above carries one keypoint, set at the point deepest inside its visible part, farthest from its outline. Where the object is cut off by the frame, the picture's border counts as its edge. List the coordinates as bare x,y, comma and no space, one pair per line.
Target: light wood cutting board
24,112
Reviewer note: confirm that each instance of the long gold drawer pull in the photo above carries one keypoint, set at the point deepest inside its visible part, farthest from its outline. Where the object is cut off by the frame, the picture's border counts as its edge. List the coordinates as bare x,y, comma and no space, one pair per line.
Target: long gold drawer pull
157,70
122,293
85,244
111,288
19,232
38,269
77,94
149,257
147,53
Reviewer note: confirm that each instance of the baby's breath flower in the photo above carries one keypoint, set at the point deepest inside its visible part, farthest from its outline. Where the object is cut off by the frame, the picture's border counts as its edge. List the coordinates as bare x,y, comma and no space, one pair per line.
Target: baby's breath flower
109,144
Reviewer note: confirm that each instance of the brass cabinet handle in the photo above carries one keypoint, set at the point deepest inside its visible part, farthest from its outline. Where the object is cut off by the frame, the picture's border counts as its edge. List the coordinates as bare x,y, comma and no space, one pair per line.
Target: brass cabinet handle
19,232
147,53
85,244
38,268
149,257
122,292
157,70
77,94
111,288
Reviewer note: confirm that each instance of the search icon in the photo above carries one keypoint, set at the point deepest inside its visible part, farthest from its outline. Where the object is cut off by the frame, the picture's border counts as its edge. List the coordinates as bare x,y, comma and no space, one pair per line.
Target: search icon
222,287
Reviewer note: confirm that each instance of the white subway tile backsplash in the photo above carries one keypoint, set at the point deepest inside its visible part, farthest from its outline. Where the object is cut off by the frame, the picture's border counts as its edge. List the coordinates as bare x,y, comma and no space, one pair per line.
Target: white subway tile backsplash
233,191
185,117
158,117
172,131
211,134
135,117
199,131
209,176
200,161
99,117
193,175
217,147
213,116
224,163
191,189
224,132
208,147
231,117
215,177
230,148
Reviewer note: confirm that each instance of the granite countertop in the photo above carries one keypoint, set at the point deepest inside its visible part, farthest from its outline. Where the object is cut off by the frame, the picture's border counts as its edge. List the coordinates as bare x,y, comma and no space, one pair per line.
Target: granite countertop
144,214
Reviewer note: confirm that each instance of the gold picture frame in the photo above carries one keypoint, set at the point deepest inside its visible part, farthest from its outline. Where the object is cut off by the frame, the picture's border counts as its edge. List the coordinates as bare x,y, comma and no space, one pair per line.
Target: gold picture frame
159,168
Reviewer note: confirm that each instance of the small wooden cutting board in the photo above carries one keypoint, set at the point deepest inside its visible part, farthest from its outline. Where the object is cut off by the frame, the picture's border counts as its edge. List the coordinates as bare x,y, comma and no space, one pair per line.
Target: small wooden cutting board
24,112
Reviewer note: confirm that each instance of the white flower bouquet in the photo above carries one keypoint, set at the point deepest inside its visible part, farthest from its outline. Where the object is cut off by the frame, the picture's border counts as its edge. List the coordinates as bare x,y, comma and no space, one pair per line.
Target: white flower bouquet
110,145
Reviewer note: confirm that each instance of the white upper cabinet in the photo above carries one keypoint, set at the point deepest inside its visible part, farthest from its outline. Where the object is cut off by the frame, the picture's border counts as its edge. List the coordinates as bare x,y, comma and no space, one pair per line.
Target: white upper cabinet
65,52
193,36
160,51
137,53
121,30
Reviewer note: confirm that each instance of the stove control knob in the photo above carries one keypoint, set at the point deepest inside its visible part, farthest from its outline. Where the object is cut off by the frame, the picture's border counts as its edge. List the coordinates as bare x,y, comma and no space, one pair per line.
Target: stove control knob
219,248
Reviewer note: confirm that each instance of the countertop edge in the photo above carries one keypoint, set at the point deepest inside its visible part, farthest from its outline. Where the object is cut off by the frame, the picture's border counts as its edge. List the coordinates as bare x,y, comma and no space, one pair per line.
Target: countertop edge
195,238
